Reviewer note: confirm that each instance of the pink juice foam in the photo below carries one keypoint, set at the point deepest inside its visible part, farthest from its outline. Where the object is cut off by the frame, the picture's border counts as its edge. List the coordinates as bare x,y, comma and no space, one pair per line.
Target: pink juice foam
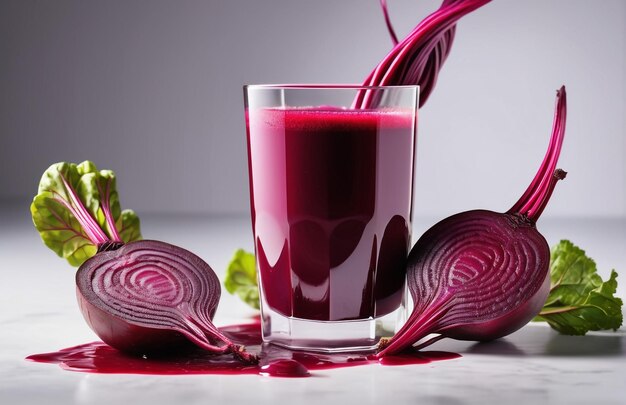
331,206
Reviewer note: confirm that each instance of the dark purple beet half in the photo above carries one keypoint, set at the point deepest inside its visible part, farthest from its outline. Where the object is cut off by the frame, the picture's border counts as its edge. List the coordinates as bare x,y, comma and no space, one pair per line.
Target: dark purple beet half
489,279
480,275
150,297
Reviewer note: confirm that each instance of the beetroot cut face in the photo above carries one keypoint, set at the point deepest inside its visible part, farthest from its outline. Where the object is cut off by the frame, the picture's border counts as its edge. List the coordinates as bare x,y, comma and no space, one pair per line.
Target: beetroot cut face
480,275
149,296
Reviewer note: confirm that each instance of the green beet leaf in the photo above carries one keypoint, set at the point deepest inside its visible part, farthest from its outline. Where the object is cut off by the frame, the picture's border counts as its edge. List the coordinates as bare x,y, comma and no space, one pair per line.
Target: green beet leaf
77,209
241,278
579,300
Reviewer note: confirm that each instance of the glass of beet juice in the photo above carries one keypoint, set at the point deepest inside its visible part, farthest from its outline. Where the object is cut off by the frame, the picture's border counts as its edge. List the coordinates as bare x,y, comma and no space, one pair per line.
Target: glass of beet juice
331,201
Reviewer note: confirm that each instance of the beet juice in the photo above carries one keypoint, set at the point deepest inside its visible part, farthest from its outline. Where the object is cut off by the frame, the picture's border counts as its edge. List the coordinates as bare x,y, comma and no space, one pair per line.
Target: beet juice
331,199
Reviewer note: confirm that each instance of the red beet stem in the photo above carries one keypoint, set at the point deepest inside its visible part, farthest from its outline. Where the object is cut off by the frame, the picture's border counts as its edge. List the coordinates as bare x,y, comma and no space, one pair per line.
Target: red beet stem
535,198
204,334
417,59
558,174
106,208
77,208
418,326
392,33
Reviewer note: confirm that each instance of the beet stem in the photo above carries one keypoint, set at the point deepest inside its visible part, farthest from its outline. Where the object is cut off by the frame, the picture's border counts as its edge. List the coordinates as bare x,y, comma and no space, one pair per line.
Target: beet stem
418,57
417,331
535,198
392,33
106,208
204,332
91,227
198,335
418,326
534,214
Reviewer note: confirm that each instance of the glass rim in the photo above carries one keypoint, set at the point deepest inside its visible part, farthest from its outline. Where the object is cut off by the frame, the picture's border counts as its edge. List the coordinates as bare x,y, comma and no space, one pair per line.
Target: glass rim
315,86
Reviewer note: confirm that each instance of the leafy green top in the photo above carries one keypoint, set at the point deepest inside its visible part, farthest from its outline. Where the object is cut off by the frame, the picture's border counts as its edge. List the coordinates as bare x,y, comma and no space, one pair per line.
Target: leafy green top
241,278
77,209
579,300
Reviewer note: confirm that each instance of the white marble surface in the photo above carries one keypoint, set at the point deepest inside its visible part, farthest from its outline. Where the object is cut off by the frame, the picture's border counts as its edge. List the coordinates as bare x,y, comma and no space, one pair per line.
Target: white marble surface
534,365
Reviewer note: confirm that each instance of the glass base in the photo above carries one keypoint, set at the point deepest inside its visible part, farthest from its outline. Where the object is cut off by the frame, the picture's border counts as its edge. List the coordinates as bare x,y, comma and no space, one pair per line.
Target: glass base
359,335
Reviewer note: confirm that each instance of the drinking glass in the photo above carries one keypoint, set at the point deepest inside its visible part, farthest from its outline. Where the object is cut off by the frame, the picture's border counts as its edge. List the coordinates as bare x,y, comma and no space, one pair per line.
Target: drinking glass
331,185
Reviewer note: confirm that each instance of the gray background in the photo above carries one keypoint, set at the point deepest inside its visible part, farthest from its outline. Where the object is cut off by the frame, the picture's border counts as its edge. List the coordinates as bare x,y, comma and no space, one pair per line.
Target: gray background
152,89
